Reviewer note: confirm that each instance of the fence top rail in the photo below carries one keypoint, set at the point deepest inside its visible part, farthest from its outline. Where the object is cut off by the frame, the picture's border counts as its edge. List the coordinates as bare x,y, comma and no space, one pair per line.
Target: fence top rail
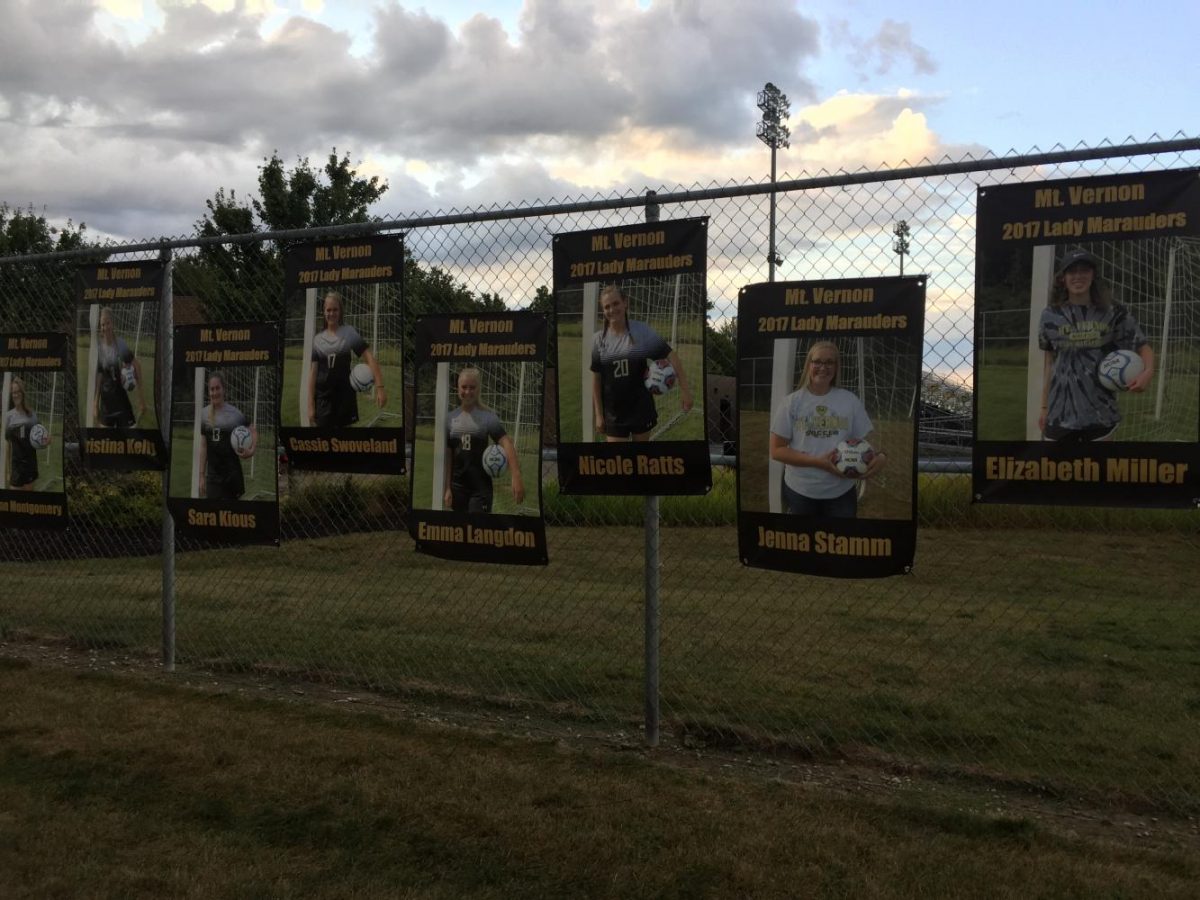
841,179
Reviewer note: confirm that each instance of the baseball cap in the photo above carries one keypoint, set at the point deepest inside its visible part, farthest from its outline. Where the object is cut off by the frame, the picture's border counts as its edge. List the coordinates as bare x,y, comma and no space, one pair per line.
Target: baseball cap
1076,256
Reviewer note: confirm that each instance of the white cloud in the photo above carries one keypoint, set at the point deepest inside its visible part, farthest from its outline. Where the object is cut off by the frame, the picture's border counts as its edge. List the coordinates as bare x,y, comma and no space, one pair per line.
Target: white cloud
581,97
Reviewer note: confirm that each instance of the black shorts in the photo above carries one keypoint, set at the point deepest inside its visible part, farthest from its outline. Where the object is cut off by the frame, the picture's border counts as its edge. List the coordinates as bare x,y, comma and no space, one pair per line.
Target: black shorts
225,486
1078,435
336,409
121,418
23,473
471,500
638,420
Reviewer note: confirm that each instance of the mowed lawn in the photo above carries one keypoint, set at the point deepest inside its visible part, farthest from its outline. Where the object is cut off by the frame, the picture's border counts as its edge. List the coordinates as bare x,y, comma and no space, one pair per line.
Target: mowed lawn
132,786
1025,654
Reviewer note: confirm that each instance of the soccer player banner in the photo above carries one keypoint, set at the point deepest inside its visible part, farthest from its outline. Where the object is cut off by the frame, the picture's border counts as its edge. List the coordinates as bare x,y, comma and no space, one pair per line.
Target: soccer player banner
829,376
343,376
477,452
116,344
33,386
631,307
223,483
1086,336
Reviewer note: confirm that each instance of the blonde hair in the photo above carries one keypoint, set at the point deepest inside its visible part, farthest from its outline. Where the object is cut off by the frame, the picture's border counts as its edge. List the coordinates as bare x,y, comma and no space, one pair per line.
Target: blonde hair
478,376
837,354
341,302
13,385
107,311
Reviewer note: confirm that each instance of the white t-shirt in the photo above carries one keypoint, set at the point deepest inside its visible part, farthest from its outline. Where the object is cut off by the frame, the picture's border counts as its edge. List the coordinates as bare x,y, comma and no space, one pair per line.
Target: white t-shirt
816,424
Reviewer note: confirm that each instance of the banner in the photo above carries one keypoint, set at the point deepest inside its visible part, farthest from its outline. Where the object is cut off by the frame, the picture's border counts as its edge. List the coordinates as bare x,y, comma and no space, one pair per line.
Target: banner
631,308
342,408
1087,333
33,385
223,483
829,376
116,363
477,453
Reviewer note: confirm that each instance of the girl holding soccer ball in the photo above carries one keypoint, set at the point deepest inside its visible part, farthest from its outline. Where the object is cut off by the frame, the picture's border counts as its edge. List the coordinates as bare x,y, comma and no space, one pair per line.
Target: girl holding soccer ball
221,475
19,422
468,486
805,432
118,372
1081,325
332,401
622,405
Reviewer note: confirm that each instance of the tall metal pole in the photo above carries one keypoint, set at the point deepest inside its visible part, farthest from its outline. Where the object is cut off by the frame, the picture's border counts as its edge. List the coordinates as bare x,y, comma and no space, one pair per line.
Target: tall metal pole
166,371
652,622
771,247
774,133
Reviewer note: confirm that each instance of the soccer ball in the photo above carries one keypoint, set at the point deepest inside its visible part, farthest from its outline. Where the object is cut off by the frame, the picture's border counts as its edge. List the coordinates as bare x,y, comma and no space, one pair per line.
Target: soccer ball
241,440
660,377
39,437
361,378
1118,369
128,377
852,457
494,460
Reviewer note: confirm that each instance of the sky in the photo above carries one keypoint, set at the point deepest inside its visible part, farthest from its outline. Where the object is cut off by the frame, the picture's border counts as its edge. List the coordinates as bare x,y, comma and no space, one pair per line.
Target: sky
129,114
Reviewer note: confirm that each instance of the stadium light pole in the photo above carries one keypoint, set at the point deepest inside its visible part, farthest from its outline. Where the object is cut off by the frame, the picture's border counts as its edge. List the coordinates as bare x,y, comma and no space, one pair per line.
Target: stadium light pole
772,132
900,244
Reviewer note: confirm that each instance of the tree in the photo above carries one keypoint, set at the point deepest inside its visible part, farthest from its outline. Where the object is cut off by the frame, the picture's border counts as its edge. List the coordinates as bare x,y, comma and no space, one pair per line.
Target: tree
36,295
241,280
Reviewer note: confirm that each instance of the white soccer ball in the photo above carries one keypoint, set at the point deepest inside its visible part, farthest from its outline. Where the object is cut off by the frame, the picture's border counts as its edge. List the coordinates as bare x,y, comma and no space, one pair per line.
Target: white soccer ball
128,377
241,440
853,457
39,437
362,379
660,377
494,460
1118,369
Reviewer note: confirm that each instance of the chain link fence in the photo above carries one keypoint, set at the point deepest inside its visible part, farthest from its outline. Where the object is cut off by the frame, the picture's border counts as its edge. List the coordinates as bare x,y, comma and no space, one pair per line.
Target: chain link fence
1048,647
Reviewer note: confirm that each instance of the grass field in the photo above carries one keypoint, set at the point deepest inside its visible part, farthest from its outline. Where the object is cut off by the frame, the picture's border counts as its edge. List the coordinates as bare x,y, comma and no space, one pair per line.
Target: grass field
219,792
1048,668
1001,384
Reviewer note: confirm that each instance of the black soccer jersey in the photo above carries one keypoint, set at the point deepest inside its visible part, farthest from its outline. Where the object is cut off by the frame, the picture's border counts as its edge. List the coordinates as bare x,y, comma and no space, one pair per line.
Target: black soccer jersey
467,436
336,402
24,458
621,361
223,467
115,408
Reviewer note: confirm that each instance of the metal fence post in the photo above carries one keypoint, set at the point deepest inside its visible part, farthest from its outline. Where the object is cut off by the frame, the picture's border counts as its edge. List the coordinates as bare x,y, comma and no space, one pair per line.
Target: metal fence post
650,526
166,375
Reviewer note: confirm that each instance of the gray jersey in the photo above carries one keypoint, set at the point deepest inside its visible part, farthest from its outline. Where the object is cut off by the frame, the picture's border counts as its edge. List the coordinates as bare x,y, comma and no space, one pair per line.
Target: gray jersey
467,436
332,352
1080,337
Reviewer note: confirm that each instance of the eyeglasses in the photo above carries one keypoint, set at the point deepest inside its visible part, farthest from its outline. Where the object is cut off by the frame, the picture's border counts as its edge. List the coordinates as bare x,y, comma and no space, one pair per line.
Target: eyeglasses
825,363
